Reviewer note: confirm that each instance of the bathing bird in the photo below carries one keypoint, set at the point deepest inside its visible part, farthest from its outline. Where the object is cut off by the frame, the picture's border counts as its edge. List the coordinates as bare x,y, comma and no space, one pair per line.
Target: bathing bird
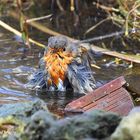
64,66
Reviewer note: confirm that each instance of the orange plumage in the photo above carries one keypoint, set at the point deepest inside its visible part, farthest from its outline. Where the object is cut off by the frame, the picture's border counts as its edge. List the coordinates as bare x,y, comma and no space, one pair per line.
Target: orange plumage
56,64
63,66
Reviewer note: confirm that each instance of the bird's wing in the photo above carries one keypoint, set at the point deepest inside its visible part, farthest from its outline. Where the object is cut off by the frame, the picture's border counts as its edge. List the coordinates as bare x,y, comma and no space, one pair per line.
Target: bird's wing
80,76
36,80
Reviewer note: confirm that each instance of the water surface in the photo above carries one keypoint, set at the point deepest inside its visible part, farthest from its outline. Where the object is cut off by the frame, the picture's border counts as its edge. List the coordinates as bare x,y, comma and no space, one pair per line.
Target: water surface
17,63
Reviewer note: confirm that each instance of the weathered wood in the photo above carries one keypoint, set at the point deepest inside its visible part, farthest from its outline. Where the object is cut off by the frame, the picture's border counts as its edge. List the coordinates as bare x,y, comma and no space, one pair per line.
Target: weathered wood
98,93
110,97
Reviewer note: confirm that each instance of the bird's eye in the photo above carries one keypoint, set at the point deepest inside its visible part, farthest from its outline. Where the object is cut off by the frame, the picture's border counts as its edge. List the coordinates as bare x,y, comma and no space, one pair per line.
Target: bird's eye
64,49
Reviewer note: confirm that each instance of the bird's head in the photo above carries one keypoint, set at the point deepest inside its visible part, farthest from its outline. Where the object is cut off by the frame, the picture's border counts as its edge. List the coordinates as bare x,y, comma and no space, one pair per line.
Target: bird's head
57,44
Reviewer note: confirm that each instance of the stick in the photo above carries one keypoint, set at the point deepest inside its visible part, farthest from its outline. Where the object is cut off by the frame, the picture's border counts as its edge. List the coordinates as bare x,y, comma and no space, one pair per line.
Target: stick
131,58
16,32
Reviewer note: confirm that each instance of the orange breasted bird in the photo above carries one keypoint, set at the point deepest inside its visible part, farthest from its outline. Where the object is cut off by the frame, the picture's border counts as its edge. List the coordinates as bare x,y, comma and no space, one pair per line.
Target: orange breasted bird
64,65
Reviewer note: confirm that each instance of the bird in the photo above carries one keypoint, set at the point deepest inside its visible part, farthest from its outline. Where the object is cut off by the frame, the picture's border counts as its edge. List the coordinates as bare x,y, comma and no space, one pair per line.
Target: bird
64,66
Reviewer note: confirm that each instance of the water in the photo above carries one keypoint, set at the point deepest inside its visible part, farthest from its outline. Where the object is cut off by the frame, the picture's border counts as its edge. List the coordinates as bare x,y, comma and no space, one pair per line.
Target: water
16,64
13,70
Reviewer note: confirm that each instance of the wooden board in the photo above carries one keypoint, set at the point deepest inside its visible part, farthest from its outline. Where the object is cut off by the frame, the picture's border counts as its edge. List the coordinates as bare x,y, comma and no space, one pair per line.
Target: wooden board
110,97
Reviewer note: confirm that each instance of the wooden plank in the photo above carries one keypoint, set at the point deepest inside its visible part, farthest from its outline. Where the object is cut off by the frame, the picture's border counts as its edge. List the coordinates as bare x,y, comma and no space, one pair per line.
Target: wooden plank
96,95
117,99
106,101
124,108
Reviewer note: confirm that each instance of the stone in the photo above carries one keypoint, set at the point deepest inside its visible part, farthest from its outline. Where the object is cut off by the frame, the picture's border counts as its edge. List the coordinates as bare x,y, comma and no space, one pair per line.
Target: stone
91,125
32,121
133,86
129,128
14,117
22,109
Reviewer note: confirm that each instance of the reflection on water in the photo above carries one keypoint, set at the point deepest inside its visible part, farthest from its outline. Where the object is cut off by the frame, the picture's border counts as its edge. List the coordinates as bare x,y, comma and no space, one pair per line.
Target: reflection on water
13,70
56,101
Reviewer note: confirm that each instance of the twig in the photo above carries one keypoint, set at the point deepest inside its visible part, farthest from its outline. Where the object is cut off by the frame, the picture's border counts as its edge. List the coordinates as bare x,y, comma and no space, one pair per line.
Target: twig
39,18
107,36
102,37
60,6
38,26
108,9
95,26
16,32
130,58
72,8
35,24
127,18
